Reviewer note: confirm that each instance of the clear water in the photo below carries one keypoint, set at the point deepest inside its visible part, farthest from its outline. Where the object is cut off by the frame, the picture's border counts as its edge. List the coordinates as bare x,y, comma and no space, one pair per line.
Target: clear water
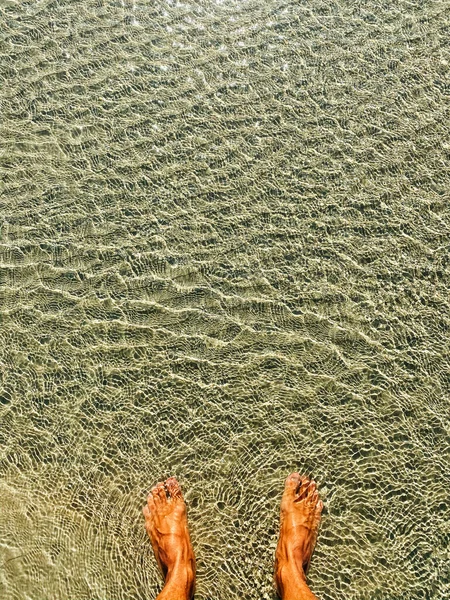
224,255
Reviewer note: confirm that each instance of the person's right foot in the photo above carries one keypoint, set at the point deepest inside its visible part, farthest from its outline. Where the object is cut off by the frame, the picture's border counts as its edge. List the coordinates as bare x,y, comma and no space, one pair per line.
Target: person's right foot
301,508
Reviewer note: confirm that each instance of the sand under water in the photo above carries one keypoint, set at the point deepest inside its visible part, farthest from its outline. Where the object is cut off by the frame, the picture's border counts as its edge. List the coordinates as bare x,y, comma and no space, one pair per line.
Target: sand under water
224,255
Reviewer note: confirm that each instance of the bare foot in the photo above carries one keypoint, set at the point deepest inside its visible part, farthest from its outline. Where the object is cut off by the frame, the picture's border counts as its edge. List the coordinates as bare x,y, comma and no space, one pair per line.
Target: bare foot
299,522
166,524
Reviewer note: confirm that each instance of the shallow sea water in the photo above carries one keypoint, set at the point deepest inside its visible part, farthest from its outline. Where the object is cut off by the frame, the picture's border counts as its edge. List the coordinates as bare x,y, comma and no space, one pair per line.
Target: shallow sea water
224,255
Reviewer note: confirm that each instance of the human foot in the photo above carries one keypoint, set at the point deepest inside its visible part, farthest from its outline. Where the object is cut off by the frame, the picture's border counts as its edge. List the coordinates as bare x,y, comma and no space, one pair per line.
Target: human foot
166,524
299,522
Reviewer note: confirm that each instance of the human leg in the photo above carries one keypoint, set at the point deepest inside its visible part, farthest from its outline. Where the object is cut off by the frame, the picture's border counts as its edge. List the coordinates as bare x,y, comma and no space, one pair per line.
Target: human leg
299,522
166,523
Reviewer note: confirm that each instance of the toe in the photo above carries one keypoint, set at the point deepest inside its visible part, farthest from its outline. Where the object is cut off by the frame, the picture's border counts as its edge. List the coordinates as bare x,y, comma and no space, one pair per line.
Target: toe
161,491
151,502
292,483
309,491
302,491
173,488
313,498
312,489
158,493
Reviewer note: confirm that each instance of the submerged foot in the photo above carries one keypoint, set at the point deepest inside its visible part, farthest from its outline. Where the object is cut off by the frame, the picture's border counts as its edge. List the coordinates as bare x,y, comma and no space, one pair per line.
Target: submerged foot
166,524
300,513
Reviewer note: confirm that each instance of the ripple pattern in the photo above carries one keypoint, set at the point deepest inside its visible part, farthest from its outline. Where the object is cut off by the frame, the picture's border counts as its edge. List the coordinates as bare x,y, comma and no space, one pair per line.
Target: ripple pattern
224,255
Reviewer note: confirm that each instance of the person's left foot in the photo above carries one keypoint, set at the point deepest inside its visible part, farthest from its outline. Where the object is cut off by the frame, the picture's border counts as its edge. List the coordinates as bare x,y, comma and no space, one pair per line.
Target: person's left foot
166,524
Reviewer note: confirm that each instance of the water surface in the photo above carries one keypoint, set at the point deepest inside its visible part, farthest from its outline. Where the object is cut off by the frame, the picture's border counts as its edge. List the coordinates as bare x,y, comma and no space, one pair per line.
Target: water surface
224,255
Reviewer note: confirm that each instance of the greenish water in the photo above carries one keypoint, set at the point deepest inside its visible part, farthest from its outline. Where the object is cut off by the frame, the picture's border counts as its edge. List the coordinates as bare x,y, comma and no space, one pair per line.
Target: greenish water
224,255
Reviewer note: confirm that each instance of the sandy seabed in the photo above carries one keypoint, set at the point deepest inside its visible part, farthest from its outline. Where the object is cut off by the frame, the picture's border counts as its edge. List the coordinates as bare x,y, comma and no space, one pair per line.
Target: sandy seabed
224,256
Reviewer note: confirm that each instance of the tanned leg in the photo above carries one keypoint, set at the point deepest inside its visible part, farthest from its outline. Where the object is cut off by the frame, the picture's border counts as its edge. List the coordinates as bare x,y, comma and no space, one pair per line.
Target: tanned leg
299,522
166,524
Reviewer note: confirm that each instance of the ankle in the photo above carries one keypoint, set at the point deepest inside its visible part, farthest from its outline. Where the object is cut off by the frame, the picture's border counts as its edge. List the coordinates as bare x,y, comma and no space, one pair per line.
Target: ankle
179,584
290,560
288,576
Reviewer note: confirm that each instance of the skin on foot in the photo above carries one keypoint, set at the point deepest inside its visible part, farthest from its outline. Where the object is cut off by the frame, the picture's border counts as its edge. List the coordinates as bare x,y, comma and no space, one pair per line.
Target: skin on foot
300,513
166,524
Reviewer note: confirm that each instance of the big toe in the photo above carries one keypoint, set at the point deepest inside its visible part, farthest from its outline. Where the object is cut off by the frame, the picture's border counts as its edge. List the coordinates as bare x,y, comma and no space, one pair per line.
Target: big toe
292,484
